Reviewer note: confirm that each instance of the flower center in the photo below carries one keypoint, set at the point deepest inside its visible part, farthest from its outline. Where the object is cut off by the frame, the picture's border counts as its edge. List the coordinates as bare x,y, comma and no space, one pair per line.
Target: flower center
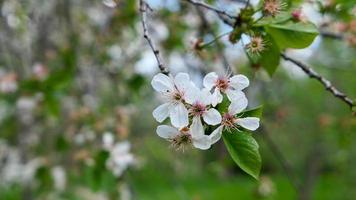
256,45
182,140
273,7
222,83
228,120
177,96
198,109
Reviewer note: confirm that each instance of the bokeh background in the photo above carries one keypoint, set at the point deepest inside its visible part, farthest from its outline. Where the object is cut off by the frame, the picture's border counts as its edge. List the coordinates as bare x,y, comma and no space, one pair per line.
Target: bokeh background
76,105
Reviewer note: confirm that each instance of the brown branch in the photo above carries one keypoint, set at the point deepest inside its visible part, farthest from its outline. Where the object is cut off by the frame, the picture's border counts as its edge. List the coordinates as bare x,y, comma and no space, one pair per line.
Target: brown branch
209,7
143,10
331,35
326,83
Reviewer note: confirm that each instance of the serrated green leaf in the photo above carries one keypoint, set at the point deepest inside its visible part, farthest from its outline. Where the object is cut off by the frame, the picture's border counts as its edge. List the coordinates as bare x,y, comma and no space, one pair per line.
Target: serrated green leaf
243,149
292,35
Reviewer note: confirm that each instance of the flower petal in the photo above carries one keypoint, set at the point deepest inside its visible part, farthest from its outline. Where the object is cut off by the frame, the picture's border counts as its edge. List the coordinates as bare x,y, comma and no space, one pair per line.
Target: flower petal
161,112
182,81
210,80
238,105
216,97
205,96
212,117
216,134
239,82
234,94
196,129
191,94
162,83
179,115
250,123
167,132
202,142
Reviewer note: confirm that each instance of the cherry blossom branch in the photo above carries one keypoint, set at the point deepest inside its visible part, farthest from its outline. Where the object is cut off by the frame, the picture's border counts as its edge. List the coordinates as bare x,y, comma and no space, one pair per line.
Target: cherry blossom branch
326,83
143,10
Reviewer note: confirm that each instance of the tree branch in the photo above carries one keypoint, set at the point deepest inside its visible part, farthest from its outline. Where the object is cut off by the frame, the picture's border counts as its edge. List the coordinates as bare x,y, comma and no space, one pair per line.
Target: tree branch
326,83
209,7
143,10
331,35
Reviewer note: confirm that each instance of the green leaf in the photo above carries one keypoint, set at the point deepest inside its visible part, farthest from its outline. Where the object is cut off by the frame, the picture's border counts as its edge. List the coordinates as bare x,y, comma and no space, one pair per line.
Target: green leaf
255,112
282,17
269,58
243,149
293,35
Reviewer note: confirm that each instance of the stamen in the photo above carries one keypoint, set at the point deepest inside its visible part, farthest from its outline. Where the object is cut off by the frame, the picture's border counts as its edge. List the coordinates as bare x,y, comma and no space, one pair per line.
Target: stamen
198,109
222,83
183,140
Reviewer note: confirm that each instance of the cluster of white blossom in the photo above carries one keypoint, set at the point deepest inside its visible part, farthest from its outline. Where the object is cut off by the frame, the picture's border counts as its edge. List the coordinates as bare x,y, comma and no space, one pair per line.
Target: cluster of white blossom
191,110
120,158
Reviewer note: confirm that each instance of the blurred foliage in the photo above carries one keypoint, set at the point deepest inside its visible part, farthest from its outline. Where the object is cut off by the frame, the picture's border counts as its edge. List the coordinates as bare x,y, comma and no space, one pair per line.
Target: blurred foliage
93,77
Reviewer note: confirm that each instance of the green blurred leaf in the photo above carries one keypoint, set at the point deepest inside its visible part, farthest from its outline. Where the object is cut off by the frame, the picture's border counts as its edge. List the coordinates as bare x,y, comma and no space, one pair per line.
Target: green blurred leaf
292,35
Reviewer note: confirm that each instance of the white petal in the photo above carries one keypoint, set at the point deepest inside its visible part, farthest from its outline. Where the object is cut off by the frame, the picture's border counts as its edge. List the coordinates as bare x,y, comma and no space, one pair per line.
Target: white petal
238,105
179,115
250,123
234,94
205,96
216,97
212,117
210,80
162,83
191,94
161,112
182,81
196,129
167,132
216,134
202,142
239,82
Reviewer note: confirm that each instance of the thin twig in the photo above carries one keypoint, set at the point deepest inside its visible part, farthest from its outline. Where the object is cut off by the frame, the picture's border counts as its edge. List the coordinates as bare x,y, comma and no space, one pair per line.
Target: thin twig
326,83
143,10
331,35
219,46
209,7
281,159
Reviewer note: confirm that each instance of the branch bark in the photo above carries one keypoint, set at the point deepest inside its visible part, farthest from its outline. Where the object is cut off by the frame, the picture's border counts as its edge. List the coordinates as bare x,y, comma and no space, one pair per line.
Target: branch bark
326,83
143,10
209,7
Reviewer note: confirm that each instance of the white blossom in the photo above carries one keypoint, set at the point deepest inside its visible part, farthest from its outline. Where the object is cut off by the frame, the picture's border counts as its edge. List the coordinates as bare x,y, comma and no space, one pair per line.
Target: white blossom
231,120
185,136
230,86
176,91
201,108
120,158
8,83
